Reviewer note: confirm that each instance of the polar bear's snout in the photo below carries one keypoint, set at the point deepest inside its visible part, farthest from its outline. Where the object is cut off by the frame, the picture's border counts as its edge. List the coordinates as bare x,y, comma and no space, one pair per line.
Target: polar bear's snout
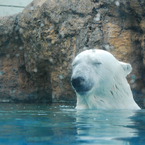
80,80
78,83
81,84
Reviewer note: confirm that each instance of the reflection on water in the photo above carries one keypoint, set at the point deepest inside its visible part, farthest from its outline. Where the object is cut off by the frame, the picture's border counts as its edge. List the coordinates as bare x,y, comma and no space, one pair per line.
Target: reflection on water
34,124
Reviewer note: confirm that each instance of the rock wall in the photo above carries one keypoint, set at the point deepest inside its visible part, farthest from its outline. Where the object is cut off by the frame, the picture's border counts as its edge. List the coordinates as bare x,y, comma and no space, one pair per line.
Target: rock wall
38,45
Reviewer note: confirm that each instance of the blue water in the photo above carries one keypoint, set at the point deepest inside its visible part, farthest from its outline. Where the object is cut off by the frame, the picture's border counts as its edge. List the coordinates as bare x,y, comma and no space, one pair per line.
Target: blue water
43,124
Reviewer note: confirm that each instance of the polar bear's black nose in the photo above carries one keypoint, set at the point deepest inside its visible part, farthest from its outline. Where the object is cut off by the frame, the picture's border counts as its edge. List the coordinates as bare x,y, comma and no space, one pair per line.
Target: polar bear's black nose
80,84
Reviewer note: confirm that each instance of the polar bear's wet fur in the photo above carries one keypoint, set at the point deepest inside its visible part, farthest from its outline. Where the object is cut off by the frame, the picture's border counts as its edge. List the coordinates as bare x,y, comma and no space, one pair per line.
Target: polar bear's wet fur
99,81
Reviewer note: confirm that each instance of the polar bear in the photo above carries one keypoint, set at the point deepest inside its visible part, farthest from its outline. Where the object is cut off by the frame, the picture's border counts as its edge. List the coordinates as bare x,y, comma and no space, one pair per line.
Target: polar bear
99,81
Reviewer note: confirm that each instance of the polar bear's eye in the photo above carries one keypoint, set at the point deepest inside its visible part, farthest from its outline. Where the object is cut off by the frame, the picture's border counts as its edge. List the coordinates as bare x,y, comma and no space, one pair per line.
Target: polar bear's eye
74,64
97,63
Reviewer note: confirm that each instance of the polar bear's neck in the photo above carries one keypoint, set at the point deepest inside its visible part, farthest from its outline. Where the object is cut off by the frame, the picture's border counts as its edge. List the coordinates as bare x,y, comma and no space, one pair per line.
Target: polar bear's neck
117,96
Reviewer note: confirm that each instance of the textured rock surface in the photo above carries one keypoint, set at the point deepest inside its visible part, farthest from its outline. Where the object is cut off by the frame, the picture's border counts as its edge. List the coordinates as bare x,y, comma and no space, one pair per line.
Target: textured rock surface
38,45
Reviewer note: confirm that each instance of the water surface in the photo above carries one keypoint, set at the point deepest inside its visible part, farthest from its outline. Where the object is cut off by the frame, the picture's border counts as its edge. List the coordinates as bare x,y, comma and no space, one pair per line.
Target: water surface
36,124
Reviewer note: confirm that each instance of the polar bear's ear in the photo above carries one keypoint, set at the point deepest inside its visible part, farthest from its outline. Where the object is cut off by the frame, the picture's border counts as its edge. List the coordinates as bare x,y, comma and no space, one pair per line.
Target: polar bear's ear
126,67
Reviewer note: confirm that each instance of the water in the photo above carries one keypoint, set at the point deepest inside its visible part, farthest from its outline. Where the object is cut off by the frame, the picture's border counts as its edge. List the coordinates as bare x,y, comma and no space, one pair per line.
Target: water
43,124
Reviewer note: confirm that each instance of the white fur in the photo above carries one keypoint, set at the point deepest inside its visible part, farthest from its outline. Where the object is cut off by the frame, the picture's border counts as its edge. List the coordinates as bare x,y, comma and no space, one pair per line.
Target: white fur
111,89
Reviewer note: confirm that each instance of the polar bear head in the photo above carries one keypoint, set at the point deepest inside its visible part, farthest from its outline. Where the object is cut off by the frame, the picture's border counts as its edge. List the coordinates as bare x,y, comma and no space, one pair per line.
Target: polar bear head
99,81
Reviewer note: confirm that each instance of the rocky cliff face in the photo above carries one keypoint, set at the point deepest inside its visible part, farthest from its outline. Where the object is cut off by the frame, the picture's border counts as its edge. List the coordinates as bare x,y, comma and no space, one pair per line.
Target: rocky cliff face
38,45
